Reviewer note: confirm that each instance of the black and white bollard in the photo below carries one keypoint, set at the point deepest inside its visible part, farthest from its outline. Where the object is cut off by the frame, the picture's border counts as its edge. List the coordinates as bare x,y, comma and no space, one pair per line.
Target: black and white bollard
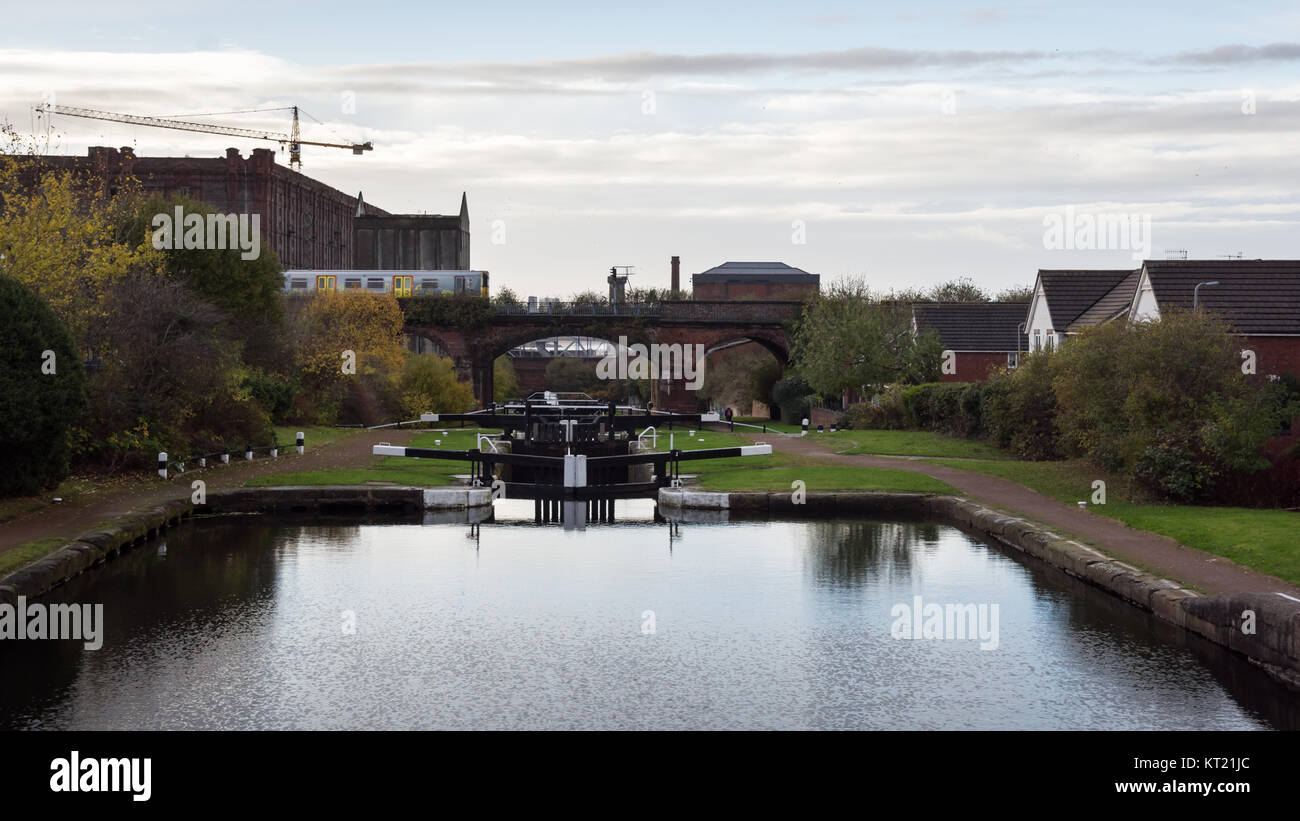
302,438
162,463
805,427
819,429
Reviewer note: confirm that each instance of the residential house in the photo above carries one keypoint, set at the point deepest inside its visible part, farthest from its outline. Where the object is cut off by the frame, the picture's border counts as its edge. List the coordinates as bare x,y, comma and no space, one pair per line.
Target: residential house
1066,301
976,336
1259,299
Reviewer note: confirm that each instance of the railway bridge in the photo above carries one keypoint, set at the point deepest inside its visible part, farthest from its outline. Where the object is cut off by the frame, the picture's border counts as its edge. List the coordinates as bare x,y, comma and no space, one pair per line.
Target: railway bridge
475,338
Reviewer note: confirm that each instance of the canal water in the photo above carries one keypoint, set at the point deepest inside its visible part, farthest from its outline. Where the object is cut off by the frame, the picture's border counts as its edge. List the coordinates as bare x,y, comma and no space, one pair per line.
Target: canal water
253,623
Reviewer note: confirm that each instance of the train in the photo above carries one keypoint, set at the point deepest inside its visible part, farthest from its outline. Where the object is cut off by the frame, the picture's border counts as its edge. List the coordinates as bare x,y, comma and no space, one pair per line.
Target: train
400,283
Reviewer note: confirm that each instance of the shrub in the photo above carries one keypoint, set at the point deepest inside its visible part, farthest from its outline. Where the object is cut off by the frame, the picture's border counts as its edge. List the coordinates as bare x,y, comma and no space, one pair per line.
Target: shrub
38,407
791,394
1020,409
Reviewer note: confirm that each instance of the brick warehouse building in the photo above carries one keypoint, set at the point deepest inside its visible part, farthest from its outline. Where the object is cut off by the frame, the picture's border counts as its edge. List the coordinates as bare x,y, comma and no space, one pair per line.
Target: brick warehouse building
307,223
754,280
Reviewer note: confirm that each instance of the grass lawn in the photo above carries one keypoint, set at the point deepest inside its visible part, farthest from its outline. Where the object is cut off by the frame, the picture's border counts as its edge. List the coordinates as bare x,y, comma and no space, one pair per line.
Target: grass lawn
911,443
820,477
785,427
396,470
1261,539
287,435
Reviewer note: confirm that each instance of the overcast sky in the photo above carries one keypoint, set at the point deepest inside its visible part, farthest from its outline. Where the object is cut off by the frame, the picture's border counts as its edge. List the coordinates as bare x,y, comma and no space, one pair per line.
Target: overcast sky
910,142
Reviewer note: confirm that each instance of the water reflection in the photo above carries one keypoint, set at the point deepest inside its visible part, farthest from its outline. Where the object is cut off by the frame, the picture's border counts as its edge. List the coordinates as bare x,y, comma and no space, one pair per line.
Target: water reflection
243,622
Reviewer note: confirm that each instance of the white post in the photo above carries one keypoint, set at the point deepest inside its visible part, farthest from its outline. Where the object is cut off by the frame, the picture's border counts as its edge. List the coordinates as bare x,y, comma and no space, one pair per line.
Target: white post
302,440
162,463
225,458
203,461
275,452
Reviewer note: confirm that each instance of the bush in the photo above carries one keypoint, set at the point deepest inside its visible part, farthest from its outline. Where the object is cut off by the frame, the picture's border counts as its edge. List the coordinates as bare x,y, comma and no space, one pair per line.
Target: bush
885,412
1020,409
428,384
792,394
38,408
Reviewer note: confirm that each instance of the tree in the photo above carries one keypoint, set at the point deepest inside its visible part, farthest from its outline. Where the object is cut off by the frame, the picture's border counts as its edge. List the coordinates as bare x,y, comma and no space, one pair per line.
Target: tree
1016,293
248,290
172,380
568,374
65,238
962,289
428,384
42,393
336,337
505,384
847,340
507,298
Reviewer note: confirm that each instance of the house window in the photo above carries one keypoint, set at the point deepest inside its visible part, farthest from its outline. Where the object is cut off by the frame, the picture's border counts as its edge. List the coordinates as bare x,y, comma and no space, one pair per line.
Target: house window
1013,360
1038,340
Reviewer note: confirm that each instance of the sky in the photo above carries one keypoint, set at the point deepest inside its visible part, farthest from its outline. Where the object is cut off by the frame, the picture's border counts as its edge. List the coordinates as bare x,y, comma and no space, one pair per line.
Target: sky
907,143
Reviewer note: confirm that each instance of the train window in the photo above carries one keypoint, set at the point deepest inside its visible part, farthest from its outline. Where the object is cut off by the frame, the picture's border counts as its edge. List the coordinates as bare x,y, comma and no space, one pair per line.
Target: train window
375,283
352,283
298,284
460,285
429,284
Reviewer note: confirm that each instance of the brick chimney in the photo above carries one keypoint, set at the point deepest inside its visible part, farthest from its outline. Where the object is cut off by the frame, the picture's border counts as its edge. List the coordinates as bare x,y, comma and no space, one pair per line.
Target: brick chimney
677,274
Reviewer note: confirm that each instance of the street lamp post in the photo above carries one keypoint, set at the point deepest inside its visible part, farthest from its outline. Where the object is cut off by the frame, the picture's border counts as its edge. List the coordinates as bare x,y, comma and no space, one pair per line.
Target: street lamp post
1196,292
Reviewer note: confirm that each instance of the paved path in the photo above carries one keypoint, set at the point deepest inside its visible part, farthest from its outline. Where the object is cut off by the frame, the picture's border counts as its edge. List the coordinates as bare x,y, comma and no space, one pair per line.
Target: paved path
1151,551
70,520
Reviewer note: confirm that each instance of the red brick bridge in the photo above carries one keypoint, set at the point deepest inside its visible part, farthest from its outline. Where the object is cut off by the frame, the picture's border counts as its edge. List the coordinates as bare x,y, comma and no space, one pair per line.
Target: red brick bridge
474,345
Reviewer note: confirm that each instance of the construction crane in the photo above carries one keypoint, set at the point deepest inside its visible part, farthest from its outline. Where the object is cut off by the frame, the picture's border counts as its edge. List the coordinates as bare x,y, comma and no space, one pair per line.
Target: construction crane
293,138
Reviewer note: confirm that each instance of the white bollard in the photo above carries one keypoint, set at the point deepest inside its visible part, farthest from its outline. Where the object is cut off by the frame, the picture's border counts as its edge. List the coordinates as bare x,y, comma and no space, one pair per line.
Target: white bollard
162,463
225,458
248,454
203,461
275,452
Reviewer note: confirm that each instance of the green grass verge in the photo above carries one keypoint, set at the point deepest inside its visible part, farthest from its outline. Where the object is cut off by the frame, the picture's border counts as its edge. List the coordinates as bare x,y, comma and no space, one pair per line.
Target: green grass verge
28,552
315,435
785,427
912,443
396,470
1264,540
820,477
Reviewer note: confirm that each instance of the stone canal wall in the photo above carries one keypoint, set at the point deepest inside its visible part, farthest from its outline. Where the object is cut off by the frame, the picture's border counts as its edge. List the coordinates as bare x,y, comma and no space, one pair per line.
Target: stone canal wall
98,546
1274,644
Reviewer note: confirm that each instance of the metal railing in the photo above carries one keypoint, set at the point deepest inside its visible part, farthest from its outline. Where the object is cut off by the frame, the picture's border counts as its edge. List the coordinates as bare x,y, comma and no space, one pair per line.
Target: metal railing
578,309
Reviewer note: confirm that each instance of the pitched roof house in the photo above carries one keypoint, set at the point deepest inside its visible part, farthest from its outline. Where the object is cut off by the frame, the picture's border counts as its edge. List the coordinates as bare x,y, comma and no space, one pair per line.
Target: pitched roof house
1260,299
1065,301
979,335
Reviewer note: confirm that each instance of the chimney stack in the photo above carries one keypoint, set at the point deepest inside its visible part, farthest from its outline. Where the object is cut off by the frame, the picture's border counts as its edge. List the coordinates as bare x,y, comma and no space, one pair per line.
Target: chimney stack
677,274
